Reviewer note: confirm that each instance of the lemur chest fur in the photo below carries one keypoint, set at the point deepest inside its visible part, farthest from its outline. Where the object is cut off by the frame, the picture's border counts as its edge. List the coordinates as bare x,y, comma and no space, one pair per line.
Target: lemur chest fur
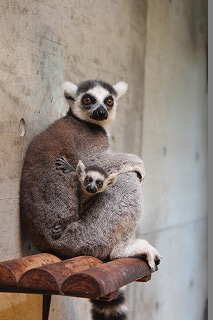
87,137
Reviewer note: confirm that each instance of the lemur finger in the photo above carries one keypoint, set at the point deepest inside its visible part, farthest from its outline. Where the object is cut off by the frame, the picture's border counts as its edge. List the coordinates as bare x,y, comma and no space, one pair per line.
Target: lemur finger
158,260
57,231
63,165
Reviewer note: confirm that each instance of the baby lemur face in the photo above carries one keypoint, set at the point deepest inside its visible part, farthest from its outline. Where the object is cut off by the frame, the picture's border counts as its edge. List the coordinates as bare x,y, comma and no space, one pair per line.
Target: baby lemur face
94,179
94,101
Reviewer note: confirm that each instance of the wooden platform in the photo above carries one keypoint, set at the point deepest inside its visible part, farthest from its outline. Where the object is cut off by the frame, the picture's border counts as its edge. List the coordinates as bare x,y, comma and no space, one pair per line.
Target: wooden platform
83,276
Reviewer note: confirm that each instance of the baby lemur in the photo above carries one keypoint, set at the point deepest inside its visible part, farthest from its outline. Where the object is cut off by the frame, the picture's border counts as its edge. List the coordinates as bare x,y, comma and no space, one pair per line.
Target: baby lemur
92,180
107,228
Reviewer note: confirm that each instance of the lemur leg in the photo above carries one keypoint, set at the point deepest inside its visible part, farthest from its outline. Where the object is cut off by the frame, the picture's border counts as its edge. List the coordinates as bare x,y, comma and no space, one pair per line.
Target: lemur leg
138,248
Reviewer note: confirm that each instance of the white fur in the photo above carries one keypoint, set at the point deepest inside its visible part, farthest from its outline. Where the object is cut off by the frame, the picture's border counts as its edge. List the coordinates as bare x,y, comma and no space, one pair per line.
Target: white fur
80,167
136,168
99,93
136,248
95,175
112,178
70,89
121,88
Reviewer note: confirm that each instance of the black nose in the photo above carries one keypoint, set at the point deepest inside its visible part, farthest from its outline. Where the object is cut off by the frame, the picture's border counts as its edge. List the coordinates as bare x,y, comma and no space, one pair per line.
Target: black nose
100,114
91,189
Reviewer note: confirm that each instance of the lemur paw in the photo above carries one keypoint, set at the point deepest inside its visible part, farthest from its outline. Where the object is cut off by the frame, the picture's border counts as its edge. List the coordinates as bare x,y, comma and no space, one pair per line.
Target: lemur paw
152,257
57,231
138,249
63,165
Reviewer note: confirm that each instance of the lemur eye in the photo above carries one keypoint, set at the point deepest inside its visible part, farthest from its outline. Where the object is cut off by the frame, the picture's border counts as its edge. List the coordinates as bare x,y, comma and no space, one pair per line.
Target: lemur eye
87,101
99,183
109,101
87,180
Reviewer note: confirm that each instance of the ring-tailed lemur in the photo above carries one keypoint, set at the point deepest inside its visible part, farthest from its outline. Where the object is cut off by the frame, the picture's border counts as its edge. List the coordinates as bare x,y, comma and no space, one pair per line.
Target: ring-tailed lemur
92,180
46,198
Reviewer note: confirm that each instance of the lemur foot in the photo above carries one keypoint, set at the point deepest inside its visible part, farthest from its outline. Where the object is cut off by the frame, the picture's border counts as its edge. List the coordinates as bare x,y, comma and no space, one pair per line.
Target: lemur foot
153,264
151,255
139,249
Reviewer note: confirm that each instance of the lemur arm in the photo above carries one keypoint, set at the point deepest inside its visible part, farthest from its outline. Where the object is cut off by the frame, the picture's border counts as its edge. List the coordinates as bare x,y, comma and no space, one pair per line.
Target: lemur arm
63,165
58,228
120,163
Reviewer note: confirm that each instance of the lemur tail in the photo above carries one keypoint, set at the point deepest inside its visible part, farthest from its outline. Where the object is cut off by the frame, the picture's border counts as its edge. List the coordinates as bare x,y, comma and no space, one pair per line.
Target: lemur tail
110,310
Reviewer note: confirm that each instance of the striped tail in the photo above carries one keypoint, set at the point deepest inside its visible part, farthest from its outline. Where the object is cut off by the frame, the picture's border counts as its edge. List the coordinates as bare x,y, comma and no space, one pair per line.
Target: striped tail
110,310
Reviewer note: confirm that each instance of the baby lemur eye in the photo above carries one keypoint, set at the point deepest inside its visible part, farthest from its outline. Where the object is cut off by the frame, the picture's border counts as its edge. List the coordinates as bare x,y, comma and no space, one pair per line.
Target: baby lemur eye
87,180
99,183
109,101
87,101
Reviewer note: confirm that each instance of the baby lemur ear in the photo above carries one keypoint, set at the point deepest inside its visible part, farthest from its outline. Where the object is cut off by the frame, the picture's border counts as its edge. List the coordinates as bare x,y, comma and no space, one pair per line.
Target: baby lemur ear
112,179
80,168
120,88
70,90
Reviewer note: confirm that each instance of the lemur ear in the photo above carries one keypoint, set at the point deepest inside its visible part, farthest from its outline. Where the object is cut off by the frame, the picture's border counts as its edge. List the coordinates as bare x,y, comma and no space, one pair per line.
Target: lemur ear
80,167
120,88
70,90
112,179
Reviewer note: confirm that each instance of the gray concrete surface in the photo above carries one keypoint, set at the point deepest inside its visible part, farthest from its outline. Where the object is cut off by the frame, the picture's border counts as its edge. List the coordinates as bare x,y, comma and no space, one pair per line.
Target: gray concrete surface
159,48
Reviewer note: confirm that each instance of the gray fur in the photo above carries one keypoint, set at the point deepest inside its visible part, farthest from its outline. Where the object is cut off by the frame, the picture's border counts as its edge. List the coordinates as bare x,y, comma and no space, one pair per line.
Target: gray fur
49,198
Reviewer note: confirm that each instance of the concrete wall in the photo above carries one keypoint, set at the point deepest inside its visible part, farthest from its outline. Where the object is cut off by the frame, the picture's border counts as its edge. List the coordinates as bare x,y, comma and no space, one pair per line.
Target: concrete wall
174,150
158,47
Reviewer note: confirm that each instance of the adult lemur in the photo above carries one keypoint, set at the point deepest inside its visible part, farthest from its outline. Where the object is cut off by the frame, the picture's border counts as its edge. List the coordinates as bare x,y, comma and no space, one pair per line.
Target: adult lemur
48,198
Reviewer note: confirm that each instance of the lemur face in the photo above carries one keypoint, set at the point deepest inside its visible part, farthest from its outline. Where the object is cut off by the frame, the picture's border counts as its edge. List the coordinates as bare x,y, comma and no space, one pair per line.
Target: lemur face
94,101
94,179
93,182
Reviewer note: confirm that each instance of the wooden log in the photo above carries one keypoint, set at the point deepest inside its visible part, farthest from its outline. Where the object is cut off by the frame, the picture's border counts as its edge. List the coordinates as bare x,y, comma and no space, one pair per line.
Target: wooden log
106,278
12,270
110,296
145,279
49,278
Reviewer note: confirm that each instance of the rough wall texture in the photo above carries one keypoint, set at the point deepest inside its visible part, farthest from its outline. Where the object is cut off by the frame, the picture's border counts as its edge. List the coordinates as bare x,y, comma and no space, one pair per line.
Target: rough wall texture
159,49
44,43
174,150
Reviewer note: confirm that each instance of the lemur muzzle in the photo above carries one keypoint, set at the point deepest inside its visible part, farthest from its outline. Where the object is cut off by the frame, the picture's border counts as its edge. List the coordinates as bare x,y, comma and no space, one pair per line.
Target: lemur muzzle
99,114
